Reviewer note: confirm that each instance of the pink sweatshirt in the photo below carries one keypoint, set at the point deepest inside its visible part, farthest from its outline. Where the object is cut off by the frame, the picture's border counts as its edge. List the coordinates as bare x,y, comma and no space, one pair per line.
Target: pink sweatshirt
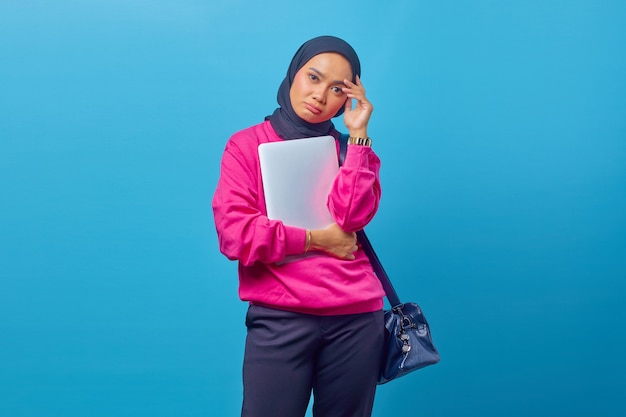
322,284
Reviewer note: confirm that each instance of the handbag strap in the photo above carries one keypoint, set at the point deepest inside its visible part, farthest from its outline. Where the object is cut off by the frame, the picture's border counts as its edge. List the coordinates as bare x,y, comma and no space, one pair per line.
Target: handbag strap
362,238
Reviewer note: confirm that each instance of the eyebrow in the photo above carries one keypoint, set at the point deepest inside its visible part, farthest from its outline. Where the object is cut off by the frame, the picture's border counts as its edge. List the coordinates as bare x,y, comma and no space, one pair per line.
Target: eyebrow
318,72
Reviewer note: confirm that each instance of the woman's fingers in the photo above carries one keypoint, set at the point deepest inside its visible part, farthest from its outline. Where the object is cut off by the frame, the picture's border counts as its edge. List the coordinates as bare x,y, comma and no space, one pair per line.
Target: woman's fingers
341,244
350,253
356,91
357,118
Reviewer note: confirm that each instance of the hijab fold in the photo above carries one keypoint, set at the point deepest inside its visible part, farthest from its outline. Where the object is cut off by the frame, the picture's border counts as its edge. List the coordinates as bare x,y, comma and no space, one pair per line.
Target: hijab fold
284,120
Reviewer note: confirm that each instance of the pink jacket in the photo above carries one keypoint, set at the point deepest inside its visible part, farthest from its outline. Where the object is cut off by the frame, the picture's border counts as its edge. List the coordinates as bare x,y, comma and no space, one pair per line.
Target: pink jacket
321,285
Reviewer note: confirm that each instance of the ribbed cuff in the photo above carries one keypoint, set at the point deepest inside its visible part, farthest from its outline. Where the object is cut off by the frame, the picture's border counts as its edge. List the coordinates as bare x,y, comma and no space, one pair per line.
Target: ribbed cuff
295,240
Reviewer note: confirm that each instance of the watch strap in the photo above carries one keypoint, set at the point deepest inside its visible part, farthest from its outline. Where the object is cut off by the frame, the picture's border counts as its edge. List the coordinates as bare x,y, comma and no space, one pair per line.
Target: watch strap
352,140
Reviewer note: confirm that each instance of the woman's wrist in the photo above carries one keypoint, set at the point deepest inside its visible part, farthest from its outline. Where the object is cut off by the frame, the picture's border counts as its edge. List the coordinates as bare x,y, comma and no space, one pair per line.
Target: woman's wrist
307,242
316,239
358,133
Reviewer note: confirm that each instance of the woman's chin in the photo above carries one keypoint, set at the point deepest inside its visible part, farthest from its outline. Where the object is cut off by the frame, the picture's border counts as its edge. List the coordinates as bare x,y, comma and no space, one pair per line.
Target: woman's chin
313,118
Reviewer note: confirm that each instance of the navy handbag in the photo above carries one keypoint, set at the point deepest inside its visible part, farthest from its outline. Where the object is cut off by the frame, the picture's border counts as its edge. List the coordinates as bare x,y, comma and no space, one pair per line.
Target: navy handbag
408,341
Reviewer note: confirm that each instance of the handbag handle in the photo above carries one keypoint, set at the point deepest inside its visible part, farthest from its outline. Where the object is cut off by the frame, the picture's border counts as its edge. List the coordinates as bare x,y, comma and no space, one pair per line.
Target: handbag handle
362,238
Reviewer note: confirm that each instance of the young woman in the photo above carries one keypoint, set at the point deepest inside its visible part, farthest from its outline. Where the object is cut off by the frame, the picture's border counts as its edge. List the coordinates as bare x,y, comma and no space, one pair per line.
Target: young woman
314,325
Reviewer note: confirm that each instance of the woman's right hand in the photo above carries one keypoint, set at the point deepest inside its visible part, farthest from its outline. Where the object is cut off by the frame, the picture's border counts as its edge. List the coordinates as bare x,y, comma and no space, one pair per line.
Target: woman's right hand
335,242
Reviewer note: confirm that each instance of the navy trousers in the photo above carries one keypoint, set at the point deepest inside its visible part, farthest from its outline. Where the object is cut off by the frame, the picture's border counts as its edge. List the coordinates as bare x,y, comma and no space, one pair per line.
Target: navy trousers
289,355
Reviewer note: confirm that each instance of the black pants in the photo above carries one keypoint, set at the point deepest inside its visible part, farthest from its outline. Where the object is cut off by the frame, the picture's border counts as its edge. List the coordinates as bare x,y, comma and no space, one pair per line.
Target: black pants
289,355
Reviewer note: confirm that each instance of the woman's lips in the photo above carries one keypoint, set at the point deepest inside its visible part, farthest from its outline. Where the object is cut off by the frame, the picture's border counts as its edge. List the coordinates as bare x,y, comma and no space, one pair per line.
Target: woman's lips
312,108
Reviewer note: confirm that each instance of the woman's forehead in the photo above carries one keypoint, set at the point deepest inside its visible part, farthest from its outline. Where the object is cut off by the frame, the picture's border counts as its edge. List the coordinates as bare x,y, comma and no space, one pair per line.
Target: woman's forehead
331,64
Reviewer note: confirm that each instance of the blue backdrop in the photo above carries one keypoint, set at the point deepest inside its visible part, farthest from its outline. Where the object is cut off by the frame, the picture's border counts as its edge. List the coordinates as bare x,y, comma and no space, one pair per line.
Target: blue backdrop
502,130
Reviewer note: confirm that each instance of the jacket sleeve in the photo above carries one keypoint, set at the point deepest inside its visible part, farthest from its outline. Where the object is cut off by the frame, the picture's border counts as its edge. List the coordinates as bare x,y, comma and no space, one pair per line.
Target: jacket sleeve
244,232
355,194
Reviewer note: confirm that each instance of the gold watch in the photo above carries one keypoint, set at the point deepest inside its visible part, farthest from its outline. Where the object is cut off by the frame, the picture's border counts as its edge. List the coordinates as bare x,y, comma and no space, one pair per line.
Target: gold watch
359,141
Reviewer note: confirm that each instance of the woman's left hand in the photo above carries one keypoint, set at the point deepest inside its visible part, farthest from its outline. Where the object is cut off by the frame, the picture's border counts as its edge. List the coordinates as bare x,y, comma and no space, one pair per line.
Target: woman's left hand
357,118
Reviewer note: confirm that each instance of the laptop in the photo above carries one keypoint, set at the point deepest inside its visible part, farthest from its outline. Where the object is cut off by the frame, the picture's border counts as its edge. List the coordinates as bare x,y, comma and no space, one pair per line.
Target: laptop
297,176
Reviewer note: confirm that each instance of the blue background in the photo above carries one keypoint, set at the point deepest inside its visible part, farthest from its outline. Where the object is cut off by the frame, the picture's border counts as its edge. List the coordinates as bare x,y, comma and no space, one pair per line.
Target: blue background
502,130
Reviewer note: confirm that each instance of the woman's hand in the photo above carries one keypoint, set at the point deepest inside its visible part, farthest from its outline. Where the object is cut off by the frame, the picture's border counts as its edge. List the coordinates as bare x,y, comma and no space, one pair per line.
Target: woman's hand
357,118
335,242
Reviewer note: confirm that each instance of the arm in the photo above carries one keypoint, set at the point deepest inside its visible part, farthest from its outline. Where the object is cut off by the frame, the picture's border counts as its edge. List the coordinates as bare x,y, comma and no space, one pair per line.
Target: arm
355,195
244,231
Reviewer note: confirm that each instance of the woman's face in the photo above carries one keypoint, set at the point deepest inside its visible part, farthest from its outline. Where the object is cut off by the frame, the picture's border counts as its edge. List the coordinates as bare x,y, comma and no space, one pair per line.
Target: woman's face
316,91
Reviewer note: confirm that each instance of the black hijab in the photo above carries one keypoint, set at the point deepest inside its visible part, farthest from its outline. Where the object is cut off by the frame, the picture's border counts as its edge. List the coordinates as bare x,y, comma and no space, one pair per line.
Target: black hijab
284,120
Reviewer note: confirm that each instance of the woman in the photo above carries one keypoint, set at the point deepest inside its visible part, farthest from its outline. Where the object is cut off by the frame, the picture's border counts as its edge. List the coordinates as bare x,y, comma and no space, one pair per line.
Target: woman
315,325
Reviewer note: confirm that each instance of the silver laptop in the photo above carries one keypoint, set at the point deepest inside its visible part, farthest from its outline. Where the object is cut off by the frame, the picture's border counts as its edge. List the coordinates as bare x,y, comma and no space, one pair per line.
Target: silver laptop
297,176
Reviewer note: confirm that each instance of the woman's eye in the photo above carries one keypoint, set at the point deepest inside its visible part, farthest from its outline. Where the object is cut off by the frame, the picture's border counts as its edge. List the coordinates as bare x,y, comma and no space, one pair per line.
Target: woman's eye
337,90
313,77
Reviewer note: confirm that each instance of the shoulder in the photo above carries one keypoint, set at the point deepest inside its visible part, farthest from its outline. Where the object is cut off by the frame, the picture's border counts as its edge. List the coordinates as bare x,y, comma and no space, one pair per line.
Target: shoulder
242,148
253,136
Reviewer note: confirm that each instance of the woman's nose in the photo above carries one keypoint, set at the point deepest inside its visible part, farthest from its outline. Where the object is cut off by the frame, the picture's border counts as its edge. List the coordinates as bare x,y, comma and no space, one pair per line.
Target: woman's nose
319,95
